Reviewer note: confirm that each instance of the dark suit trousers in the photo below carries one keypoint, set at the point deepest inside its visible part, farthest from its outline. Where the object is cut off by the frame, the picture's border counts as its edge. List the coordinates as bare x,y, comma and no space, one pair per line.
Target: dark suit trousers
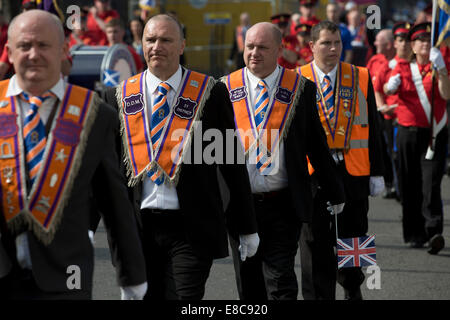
270,275
420,182
317,242
174,271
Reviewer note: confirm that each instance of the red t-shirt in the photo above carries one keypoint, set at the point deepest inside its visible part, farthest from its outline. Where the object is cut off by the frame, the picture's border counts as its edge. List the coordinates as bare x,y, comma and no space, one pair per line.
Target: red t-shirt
382,76
410,111
99,37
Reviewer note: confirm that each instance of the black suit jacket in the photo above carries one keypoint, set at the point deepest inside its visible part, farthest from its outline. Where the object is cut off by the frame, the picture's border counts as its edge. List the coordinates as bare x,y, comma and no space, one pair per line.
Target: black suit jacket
306,137
198,190
99,171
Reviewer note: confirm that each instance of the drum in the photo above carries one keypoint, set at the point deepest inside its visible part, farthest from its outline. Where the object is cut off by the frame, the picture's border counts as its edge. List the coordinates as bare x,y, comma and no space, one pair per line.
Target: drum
98,67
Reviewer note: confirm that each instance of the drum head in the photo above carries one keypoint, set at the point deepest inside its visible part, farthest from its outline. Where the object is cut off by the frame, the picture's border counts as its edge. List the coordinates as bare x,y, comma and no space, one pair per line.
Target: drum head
117,65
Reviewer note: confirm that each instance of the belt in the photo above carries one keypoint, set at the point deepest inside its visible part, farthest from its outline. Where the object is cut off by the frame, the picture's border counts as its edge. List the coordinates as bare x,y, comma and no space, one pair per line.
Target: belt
415,129
161,212
262,196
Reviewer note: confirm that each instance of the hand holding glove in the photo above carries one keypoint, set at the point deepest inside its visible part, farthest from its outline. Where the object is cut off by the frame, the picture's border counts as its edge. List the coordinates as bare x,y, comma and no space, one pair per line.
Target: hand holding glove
394,82
436,58
335,209
376,186
133,292
248,245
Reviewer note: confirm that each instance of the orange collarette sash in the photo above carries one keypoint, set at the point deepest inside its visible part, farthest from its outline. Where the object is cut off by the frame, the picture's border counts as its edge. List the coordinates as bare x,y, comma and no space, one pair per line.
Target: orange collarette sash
278,115
40,209
135,129
337,130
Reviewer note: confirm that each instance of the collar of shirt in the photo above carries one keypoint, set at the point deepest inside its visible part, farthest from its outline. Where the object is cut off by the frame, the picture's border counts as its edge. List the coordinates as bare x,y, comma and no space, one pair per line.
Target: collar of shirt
331,74
152,82
269,80
14,89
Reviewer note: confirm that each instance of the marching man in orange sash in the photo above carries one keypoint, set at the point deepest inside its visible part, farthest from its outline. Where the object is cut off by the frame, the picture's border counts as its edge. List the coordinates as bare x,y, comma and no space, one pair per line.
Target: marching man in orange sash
165,112
347,109
278,126
58,142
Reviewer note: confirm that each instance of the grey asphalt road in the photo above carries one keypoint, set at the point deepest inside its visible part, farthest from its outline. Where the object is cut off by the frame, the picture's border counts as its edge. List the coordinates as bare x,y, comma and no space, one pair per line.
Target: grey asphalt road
405,273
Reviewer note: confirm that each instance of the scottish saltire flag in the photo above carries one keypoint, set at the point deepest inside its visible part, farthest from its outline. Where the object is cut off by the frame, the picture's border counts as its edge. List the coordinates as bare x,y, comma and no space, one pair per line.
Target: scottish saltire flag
147,4
443,31
356,252
110,78
50,6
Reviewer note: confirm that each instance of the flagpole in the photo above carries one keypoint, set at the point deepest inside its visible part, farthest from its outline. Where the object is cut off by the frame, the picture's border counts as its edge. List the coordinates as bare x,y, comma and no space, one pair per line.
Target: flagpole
430,152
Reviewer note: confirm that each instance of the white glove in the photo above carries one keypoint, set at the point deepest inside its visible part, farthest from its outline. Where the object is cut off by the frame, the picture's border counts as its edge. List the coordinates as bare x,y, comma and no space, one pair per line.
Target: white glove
248,245
91,237
133,292
394,82
376,186
335,209
437,59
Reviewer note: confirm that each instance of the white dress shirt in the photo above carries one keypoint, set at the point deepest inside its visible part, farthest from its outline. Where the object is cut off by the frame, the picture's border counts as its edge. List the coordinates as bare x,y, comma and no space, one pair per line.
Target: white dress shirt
321,75
162,196
23,250
279,180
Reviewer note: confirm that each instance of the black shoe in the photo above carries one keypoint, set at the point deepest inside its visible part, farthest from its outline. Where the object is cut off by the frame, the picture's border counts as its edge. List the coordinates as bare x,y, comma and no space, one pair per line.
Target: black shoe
437,242
353,294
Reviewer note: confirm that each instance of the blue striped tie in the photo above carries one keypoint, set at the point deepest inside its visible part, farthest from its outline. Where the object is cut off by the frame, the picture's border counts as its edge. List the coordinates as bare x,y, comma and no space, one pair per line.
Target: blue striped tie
261,104
327,92
160,112
34,134
262,101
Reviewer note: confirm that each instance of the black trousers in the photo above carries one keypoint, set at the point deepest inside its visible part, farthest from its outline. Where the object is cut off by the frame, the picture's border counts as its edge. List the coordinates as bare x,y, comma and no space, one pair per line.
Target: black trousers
389,156
174,271
420,182
20,285
270,275
318,239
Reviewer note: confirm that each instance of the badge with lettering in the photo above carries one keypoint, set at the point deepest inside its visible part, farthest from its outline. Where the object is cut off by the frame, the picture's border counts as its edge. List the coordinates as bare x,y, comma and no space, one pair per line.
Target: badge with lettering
238,94
283,95
185,108
133,104
8,125
346,93
67,132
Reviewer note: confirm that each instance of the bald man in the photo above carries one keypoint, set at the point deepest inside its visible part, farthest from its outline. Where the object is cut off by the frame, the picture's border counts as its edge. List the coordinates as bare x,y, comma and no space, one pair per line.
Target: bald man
271,100
58,143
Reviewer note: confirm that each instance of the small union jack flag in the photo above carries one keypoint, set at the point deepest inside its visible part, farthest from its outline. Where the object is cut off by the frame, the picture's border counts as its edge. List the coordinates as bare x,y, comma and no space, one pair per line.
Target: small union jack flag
356,252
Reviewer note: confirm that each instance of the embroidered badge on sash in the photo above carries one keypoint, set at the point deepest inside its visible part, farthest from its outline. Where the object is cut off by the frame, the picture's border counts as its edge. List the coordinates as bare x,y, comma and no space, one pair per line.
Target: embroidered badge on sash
238,94
133,104
8,125
185,108
283,95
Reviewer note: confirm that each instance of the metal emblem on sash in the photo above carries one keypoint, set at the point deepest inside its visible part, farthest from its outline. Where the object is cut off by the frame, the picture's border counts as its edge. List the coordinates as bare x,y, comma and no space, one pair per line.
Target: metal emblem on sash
348,114
346,93
346,104
341,131
53,180
3,103
8,154
61,156
8,174
43,204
